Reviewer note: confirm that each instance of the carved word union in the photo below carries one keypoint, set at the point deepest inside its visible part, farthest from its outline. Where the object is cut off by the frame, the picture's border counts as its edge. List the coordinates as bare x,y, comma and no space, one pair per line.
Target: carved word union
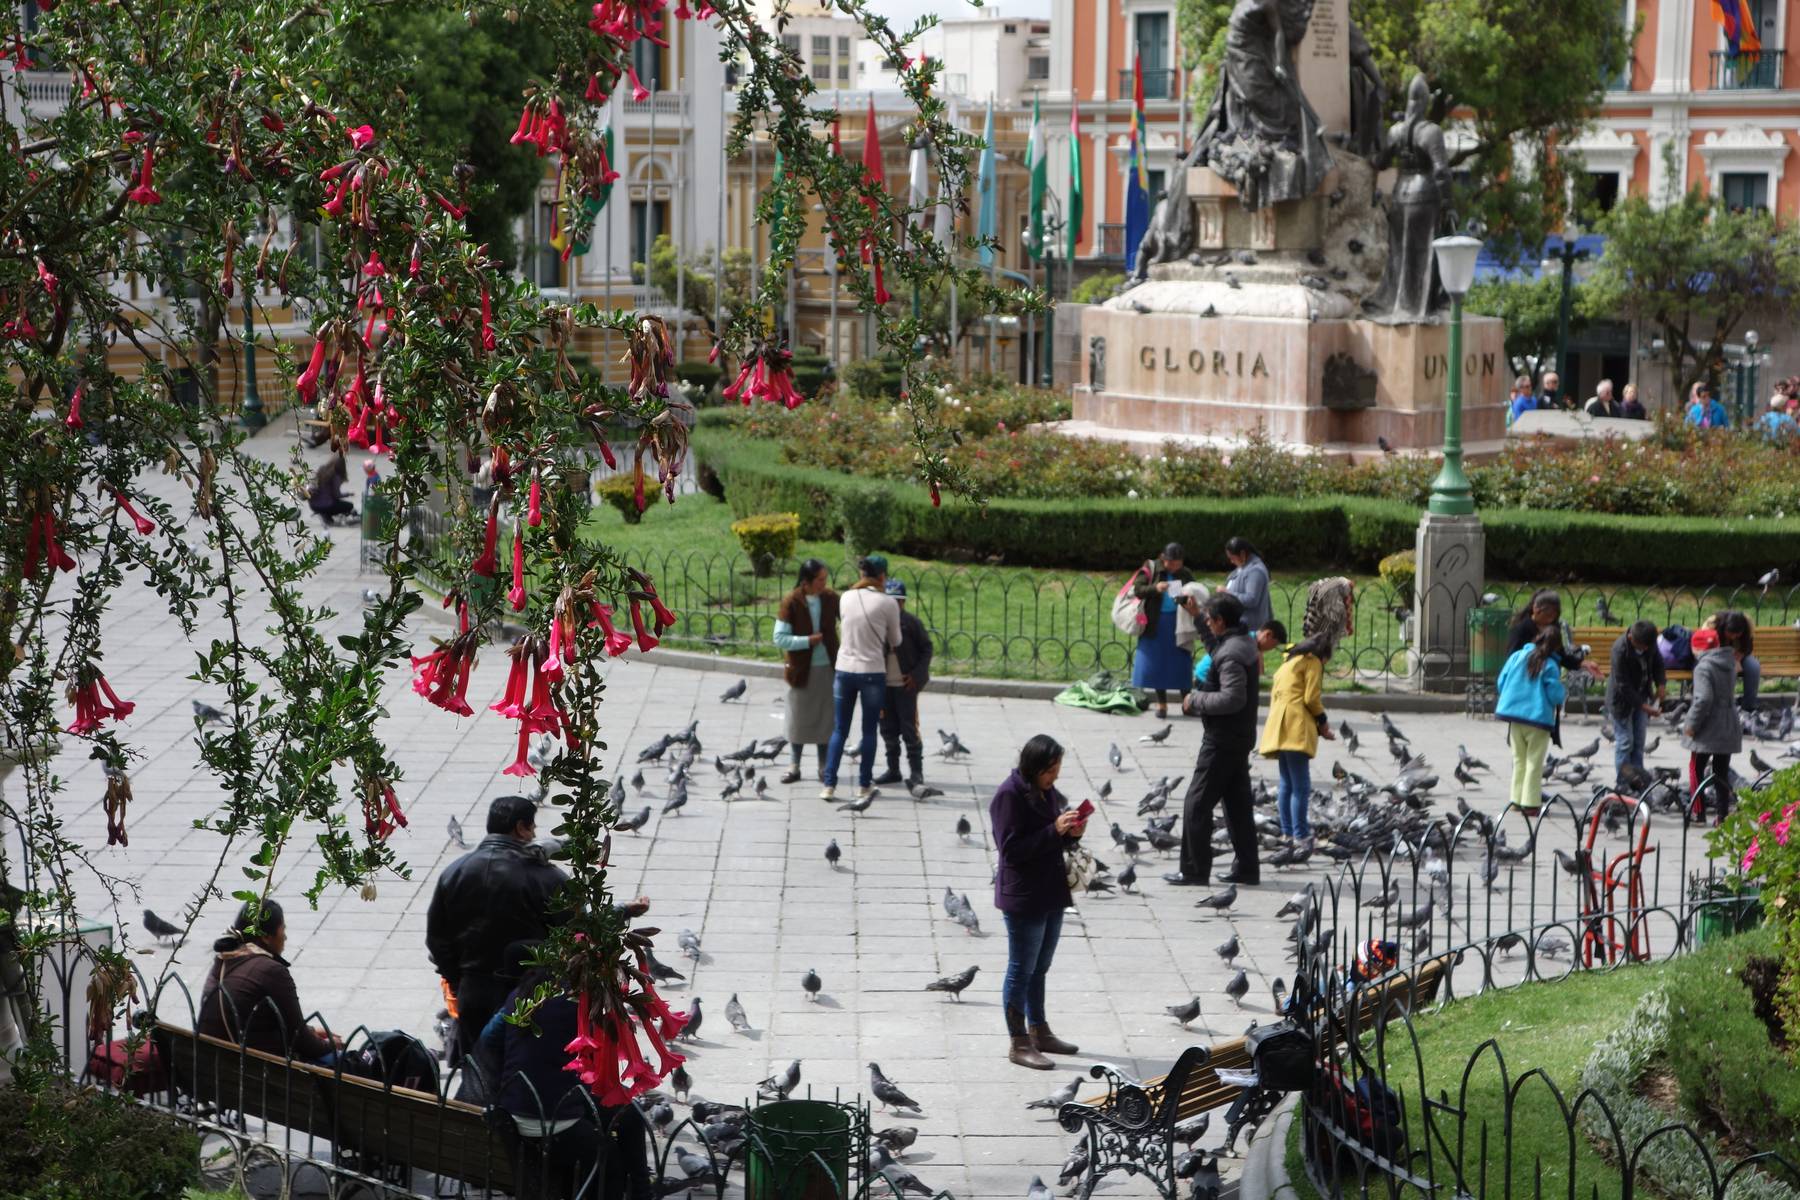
1474,365
1197,362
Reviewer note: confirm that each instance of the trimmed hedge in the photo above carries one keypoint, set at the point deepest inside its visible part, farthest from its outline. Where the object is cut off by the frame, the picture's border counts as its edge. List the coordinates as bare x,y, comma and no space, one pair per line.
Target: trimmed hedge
1306,531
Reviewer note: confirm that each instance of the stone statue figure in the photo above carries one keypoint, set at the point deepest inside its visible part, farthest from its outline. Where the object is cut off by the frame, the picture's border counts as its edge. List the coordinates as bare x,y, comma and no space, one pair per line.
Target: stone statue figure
1409,289
1368,97
1260,134
1170,236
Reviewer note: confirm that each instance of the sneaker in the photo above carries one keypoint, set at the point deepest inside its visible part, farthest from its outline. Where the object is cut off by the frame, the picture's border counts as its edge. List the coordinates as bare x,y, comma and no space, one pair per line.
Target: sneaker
828,792
791,775
863,793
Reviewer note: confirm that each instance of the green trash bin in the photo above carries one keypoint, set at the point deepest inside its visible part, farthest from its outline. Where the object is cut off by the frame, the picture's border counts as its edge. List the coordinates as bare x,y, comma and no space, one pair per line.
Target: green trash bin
377,516
799,1150
1723,916
1487,641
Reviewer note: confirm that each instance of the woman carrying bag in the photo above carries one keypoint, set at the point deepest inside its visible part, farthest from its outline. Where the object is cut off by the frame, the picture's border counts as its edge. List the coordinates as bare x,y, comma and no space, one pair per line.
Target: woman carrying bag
1161,664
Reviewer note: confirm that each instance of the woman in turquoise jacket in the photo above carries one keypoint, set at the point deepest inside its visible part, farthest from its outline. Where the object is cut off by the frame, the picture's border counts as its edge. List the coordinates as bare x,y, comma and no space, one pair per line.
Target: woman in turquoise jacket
1530,696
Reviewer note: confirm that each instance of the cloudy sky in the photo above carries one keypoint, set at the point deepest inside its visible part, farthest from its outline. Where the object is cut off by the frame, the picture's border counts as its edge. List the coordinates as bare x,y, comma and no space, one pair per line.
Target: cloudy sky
953,10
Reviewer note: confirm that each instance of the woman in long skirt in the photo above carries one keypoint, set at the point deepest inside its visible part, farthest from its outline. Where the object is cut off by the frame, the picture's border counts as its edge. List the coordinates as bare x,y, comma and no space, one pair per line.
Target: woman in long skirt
1161,664
806,627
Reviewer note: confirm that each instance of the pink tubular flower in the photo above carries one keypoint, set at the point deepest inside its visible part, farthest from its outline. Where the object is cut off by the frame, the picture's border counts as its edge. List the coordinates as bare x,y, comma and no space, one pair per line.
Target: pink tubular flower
516,597
145,525
617,642
1781,832
362,136
374,268
412,268
664,618
607,453
145,191
511,703
487,321
645,642
521,767
73,420
534,506
46,278
551,669
1750,854
712,356
639,92
307,385
489,561
442,676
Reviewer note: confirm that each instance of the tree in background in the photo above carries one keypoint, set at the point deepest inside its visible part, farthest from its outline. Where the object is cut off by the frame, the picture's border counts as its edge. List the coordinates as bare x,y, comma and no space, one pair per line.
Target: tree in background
1529,308
1691,270
696,281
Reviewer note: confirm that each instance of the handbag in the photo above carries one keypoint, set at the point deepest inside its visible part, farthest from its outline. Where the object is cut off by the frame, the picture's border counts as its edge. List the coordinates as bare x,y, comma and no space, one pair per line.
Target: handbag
1079,867
1282,1054
1127,609
895,676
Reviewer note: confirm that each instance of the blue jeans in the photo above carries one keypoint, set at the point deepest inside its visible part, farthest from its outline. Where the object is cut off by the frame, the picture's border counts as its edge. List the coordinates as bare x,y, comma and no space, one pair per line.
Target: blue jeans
1030,945
1629,733
846,689
1294,792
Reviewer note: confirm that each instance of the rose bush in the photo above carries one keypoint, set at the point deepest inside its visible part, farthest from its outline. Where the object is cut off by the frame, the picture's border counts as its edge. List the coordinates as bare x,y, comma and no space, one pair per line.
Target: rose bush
1762,839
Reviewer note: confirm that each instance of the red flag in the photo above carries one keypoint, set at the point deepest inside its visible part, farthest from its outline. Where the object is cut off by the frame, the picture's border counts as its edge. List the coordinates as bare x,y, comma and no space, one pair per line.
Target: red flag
873,175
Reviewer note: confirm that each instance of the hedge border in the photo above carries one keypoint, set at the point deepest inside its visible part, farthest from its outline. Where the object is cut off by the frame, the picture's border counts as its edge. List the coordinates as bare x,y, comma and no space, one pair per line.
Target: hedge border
1313,531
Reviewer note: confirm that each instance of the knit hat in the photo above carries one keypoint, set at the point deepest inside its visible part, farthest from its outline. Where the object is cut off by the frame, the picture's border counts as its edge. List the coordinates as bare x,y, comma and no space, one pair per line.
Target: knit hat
874,565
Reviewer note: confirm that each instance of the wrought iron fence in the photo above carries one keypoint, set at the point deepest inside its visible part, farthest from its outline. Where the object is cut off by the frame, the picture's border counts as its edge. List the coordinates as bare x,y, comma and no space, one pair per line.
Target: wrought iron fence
1026,623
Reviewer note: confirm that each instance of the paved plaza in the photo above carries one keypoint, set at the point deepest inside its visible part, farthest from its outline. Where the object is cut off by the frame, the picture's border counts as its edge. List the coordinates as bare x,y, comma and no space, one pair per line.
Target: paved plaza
750,877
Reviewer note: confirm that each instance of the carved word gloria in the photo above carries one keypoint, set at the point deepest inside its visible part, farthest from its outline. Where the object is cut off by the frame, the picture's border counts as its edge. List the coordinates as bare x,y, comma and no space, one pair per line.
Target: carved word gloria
1198,363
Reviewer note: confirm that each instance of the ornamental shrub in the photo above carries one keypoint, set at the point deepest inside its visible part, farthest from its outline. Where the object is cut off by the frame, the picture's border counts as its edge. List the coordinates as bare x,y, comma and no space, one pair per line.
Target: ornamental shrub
69,1143
866,513
1761,841
1398,571
871,378
1096,288
767,538
620,491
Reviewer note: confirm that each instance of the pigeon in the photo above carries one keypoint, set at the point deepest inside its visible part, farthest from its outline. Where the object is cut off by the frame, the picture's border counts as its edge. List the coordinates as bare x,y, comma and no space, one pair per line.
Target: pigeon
681,1082
896,1138
663,973
1076,1165
1228,949
1161,735
633,824
777,1087
954,984
694,1016
1393,731
676,802
1105,791
952,745
1570,866
860,806
963,828
886,1092
1060,1096
1186,1012
1237,986
1769,579
1206,1185
903,1180
734,1013
920,790
206,714
1419,915
1300,901
762,788
965,916
1128,877
1551,947
160,929
689,942
811,982
1114,757
1037,1190
1463,777
456,835
1386,446
735,691
1191,1130
832,853
1604,611
1587,751
950,902
693,1165
655,750
1219,901
637,781
1756,761
1469,761
740,755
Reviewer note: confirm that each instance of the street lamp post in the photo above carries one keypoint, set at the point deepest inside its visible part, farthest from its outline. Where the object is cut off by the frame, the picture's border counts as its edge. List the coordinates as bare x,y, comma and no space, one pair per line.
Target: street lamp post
253,416
1569,256
1456,258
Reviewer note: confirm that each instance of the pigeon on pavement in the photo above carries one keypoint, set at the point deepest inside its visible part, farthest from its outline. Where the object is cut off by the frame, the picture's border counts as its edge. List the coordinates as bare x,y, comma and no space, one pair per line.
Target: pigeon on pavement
812,983
1186,1012
734,1013
886,1092
456,834
777,1087
832,853
633,824
954,984
1220,901
1237,987
1160,736
963,828
160,929
734,691
1060,1096
1228,949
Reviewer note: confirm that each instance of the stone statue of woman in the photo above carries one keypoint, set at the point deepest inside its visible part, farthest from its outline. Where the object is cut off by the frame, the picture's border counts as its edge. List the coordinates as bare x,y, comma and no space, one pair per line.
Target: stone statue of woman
1409,290
1260,134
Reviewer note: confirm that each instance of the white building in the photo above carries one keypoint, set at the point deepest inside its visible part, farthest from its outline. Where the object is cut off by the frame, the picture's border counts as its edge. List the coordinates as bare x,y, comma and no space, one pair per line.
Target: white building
1006,58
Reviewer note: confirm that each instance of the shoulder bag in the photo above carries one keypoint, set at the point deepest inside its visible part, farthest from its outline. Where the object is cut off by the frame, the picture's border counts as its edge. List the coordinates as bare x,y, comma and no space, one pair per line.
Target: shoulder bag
1127,609
1079,867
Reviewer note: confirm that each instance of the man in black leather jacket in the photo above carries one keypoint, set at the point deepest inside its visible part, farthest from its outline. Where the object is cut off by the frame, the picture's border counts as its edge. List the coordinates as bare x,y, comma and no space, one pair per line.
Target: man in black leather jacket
501,892
1227,706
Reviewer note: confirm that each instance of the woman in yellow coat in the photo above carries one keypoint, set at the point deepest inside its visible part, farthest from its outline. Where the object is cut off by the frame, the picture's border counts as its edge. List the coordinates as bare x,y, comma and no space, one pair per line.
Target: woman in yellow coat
1296,723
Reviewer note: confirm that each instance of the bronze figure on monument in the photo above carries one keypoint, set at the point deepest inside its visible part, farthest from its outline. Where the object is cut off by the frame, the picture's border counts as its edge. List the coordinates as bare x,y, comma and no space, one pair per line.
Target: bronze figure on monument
1409,291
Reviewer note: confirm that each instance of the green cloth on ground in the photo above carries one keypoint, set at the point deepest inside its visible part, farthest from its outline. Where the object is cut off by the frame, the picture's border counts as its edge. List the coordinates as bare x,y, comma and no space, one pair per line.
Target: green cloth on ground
1102,693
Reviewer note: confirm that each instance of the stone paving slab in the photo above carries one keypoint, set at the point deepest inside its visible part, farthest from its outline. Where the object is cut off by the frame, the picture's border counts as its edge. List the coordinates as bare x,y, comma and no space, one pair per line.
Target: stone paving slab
749,876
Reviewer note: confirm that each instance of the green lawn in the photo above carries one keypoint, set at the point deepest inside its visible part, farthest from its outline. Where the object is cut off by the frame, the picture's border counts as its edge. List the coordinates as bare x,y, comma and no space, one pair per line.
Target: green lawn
1023,622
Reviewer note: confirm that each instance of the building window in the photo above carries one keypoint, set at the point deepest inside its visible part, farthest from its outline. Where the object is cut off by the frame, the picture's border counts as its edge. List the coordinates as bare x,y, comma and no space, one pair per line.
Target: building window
1156,179
646,58
648,220
1037,67
1604,187
1151,45
821,71
1012,29
821,46
843,72
957,83
791,41
1744,190
843,47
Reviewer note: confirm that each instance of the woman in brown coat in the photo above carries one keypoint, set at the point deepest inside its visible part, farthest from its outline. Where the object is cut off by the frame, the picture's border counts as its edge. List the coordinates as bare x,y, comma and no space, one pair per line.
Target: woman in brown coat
806,627
250,996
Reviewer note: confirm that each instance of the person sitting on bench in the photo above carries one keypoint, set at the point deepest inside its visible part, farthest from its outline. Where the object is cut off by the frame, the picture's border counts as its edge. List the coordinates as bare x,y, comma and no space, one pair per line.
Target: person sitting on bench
561,1131
249,996
327,495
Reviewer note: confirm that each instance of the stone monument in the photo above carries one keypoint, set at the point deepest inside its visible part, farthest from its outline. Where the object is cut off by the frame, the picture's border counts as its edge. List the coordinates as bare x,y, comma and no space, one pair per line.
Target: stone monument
1285,282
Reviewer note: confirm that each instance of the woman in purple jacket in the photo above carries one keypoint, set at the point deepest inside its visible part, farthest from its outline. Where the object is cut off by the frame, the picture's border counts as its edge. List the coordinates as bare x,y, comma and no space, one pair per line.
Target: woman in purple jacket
1031,820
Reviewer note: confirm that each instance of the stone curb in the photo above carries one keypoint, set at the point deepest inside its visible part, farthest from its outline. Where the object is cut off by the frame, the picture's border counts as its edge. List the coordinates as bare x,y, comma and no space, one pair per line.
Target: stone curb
1265,1174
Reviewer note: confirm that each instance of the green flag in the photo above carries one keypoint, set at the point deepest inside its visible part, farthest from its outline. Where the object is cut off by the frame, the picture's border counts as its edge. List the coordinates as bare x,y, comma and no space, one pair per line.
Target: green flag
1039,169
591,206
1074,178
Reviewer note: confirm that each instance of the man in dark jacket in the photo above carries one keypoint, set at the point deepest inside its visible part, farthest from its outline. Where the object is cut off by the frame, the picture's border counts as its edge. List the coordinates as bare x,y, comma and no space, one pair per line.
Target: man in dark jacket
900,711
501,892
1227,706
1636,687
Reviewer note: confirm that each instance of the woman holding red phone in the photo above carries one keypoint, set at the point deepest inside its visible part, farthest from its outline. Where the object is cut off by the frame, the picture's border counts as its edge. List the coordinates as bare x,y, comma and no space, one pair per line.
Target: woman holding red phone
1031,822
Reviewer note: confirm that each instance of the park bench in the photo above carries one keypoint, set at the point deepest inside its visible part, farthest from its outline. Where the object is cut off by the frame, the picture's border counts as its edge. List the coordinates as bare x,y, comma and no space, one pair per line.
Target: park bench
375,1129
1131,1127
1777,648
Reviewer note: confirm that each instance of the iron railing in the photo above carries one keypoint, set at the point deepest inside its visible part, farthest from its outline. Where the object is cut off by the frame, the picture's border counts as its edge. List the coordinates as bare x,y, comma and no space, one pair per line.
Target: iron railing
1110,241
1737,71
1158,85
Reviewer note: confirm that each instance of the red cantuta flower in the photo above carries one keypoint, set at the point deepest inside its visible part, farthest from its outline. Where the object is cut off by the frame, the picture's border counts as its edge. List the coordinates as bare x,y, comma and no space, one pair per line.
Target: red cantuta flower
511,704
489,561
606,452
534,505
712,356
595,94
91,710
617,642
936,500
516,597
664,618
374,268
551,670
335,206
307,385
362,137
521,767
273,123
645,642
487,320
145,191
41,543
144,524
442,676
456,211
413,267
46,278
73,420
639,92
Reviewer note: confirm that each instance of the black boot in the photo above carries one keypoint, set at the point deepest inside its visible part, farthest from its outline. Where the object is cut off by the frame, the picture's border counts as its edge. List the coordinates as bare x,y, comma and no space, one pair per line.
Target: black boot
892,774
915,766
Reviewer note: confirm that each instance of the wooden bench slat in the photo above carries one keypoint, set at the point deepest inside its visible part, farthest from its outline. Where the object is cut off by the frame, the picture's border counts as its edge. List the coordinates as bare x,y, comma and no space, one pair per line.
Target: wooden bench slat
1777,648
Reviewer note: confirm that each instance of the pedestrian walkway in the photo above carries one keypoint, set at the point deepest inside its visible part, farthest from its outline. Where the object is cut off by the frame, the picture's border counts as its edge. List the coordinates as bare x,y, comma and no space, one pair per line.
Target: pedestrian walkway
751,879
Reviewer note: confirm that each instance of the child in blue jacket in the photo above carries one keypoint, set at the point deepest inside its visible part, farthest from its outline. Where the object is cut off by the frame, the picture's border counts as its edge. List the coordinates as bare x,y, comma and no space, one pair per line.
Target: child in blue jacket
1530,694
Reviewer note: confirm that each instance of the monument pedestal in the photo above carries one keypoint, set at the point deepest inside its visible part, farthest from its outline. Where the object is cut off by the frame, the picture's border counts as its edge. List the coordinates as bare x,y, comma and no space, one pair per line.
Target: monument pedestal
1451,554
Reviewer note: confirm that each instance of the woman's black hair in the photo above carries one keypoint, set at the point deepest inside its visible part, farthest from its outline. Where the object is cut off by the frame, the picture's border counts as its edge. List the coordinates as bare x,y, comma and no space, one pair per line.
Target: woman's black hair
262,916
1174,552
1540,597
1545,647
1734,628
1238,545
809,571
1039,754
1319,646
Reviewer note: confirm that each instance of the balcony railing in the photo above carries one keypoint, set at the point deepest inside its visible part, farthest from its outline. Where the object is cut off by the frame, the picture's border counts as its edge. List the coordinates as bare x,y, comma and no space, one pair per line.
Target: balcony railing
668,103
1158,85
1111,242
45,91
1731,72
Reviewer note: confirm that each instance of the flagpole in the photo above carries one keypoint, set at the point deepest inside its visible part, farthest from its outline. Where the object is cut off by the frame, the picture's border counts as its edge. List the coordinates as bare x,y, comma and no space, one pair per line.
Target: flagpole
612,119
719,240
